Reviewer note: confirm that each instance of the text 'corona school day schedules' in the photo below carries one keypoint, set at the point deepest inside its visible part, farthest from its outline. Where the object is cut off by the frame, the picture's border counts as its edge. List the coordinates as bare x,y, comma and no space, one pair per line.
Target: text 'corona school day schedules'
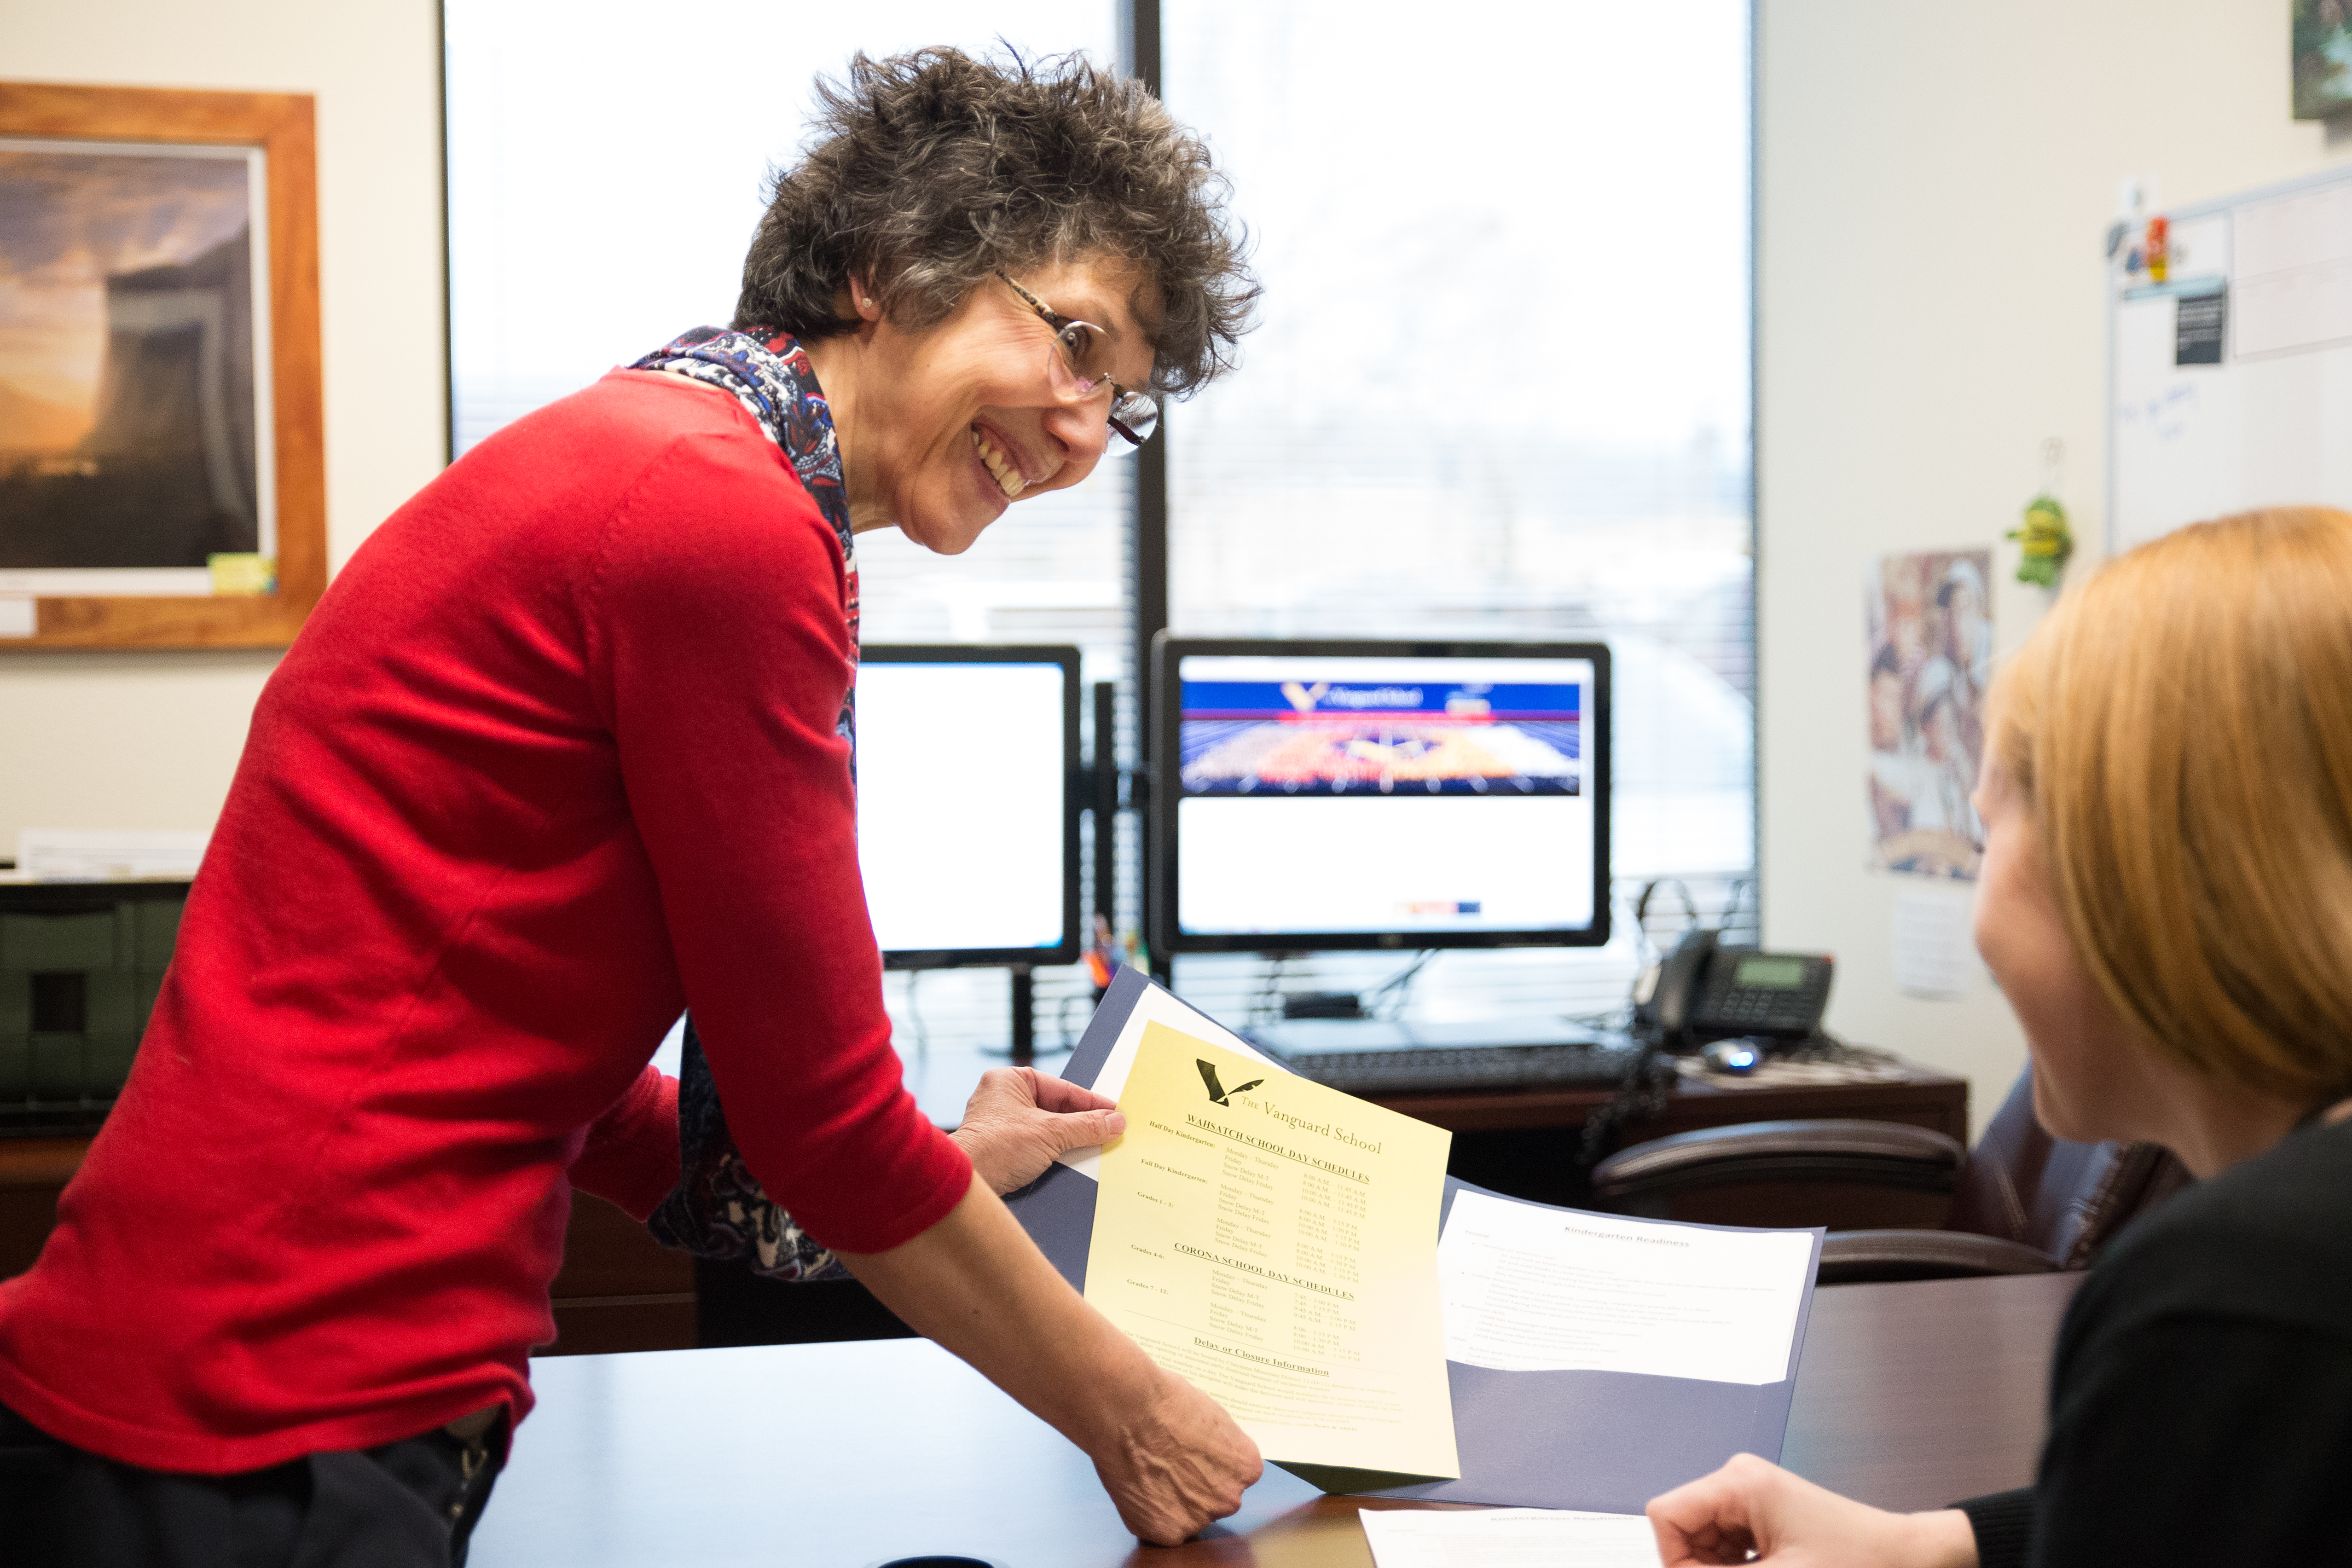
1273,1241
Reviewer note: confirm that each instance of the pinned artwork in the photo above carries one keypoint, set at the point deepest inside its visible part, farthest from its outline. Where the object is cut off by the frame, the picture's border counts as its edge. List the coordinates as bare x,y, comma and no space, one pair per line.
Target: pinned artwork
2323,59
1930,656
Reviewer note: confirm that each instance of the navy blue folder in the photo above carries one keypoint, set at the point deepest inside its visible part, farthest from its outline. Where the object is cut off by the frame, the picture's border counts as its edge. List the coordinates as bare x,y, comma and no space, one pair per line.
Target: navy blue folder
1604,1441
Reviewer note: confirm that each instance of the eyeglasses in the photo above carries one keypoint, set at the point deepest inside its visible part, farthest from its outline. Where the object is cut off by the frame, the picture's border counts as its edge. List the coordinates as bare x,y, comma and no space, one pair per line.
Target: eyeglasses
1134,415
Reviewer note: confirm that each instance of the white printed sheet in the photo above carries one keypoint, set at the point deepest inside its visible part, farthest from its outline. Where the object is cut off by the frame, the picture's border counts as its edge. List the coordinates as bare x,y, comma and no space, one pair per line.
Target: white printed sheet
1530,1289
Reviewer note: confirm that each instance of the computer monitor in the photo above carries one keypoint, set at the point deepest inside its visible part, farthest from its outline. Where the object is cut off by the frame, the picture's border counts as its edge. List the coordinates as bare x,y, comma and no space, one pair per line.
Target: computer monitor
1317,795
968,804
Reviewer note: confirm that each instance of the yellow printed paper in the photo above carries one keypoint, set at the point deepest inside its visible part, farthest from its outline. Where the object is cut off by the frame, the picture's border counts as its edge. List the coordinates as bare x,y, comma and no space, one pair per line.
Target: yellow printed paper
1273,1242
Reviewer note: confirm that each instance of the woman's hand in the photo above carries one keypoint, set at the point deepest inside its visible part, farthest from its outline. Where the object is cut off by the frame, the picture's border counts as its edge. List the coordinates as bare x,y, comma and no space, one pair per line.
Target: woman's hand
1179,1465
1019,1119
1171,1458
1751,1505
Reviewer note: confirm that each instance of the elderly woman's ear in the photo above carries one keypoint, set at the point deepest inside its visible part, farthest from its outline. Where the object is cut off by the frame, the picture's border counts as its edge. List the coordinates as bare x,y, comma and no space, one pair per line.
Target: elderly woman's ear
854,304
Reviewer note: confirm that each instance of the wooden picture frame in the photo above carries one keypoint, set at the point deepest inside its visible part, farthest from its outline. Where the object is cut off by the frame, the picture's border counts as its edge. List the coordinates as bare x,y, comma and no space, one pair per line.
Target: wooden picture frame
289,409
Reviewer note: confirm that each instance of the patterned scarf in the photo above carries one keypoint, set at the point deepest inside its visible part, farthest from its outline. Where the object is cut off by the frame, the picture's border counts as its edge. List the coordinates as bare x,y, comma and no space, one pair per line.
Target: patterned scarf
717,1209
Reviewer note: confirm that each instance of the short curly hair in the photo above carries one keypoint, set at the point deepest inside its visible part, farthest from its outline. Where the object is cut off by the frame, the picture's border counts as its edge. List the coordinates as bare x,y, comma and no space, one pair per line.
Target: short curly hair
928,171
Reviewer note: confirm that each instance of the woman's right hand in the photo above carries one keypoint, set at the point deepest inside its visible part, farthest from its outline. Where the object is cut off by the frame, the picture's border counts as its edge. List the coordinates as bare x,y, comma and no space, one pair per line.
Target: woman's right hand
1751,1505
1019,1121
1180,1466
1170,1456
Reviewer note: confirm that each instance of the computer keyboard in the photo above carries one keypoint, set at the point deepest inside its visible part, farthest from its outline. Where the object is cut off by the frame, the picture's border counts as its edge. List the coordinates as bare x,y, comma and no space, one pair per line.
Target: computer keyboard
1430,1070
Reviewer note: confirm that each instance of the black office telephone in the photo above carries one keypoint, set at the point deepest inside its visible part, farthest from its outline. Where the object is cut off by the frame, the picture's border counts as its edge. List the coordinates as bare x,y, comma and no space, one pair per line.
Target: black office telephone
1708,991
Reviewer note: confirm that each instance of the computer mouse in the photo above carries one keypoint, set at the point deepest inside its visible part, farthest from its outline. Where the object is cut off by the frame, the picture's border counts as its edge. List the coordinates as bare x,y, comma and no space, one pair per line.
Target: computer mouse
1737,1056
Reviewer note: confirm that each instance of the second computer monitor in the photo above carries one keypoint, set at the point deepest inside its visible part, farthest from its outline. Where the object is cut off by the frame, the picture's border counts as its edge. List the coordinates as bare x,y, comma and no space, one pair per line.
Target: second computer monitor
1346,794
967,823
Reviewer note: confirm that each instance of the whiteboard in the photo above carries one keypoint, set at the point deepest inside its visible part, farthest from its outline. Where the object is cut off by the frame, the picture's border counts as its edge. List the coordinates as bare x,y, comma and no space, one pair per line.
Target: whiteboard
2271,422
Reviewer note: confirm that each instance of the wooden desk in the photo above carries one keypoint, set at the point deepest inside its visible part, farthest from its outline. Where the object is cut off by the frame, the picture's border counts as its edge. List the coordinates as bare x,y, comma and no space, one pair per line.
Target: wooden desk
1524,1142
33,1171
942,1079
619,1291
1921,1098
843,1455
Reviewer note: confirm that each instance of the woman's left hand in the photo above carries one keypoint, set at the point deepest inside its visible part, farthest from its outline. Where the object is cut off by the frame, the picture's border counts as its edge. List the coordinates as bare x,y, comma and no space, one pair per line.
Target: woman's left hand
1019,1119
1754,1506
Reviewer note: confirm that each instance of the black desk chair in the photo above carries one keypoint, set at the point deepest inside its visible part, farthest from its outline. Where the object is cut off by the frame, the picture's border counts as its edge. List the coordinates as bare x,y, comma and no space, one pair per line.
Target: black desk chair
2021,1203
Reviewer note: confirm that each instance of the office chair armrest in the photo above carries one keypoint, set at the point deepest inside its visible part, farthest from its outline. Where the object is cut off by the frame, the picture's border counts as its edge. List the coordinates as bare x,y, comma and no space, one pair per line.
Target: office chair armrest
1873,1154
1874,1257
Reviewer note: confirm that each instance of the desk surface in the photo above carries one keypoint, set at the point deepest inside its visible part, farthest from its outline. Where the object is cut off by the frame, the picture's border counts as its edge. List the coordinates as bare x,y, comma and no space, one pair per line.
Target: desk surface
941,1080
847,1455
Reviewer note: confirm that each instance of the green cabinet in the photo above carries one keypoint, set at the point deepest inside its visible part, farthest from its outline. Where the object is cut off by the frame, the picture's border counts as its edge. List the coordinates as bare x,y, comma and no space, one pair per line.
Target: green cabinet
80,965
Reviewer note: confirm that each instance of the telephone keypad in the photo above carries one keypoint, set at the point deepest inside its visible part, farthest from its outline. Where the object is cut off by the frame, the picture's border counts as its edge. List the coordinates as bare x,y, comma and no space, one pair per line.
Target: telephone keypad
1757,1010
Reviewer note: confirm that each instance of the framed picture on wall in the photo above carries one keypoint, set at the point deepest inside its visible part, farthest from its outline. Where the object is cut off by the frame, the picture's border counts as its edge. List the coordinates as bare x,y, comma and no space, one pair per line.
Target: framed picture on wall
162,480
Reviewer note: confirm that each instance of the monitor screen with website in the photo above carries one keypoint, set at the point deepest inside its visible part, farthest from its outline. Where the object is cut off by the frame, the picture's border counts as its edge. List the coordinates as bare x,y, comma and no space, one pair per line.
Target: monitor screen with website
1331,795
967,820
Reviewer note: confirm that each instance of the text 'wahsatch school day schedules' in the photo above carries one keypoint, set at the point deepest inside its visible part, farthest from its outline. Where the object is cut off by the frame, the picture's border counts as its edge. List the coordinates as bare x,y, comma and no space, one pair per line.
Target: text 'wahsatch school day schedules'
1377,1326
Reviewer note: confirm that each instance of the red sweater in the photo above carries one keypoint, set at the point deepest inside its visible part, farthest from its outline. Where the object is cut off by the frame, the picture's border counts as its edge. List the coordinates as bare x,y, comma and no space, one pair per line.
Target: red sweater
553,759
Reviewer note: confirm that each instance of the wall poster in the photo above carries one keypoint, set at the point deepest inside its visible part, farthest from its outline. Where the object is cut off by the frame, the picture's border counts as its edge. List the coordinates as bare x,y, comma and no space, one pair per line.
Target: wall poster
1930,658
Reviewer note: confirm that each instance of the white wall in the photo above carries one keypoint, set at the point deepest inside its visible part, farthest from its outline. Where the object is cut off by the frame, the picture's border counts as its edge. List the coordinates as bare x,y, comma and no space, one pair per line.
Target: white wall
1934,183
148,740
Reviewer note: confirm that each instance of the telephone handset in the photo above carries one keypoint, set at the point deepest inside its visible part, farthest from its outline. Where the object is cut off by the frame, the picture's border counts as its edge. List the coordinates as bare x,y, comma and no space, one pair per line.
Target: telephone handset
1708,991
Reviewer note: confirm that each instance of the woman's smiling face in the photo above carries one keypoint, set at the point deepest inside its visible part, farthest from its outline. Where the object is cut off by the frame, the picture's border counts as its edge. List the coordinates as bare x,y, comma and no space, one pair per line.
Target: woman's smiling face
944,428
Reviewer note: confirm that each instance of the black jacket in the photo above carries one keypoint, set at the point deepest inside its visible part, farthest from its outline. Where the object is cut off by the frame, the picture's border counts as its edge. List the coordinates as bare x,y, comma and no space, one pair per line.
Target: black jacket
2200,1406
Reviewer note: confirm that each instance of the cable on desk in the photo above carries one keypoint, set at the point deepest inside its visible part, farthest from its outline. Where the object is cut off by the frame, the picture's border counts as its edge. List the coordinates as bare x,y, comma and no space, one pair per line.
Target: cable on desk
1399,985
1644,1095
1267,1003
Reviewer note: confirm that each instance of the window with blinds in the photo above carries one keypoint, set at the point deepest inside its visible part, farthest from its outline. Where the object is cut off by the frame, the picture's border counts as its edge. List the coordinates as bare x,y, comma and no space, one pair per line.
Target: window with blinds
606,164
1501,390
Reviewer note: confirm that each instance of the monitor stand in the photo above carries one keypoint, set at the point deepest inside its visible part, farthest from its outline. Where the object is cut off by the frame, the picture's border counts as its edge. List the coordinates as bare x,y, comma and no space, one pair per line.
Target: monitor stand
1025,1017
1022,1048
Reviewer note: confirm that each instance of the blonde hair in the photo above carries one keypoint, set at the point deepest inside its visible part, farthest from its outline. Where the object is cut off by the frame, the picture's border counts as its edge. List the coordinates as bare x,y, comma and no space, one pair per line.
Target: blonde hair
2183,726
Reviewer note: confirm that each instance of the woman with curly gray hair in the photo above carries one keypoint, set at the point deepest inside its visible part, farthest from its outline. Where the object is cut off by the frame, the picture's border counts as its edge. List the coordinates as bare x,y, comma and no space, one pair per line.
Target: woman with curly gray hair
567,747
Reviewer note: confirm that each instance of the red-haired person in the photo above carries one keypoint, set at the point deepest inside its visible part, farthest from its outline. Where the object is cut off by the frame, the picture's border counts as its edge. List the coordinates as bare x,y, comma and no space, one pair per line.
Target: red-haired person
2167,902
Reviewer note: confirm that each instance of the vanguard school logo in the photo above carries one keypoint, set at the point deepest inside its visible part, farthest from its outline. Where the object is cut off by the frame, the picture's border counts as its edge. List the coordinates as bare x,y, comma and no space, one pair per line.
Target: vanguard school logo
1217,1093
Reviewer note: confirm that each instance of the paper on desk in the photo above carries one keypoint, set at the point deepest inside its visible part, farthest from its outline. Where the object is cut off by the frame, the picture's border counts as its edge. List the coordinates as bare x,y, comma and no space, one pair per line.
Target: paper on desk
1153,1005
1531,1288
1507,1538
1271,1240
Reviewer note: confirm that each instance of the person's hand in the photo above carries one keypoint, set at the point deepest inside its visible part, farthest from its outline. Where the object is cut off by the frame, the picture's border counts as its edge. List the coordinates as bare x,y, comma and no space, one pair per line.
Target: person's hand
1751,1505
1019,1119
1179,1465
1170,1456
